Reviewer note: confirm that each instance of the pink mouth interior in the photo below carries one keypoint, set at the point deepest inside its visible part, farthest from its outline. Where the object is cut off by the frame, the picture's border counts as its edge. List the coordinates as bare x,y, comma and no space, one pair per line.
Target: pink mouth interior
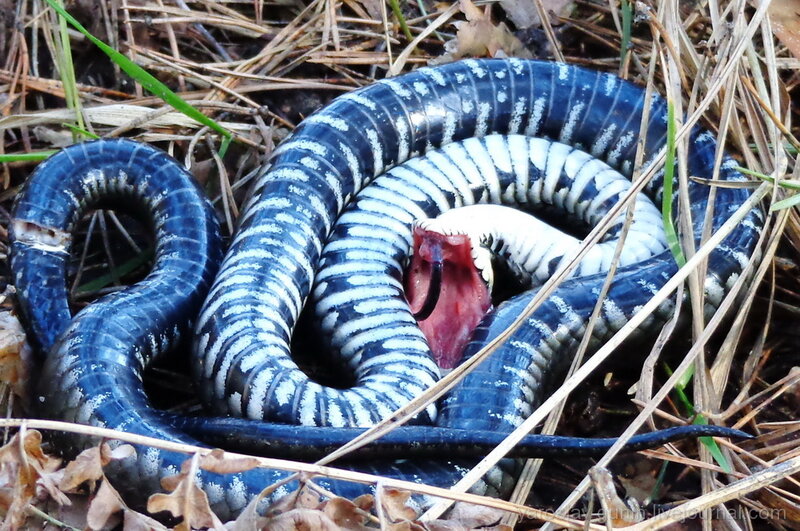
463,297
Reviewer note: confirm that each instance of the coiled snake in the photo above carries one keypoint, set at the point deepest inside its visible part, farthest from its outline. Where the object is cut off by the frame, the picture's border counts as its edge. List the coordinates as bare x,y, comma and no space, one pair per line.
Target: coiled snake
242,360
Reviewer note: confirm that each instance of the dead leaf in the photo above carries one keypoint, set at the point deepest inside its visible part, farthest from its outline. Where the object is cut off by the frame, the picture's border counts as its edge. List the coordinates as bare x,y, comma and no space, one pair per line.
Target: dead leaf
784,15
639,478
620,514
88,465
365,502
85,467
474,516
479,36
373,8
24,470
403,526
455,525
395,504
308,499
301,520
524,15
302,498
345,514
186,500
249,518
105,503
15,353
220,463
135,521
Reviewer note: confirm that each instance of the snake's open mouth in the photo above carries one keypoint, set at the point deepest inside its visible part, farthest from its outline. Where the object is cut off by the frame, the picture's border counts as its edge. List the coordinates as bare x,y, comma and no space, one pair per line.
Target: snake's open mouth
446,292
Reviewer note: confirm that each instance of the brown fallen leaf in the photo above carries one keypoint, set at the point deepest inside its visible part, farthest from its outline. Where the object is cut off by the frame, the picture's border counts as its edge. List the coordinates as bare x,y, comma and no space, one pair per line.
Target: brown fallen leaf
476,516
24,469
106,508
88,465
15,353
639,478
220,463
187,500
784,15
455,525
301,520
404,526
346,514
365,502
373,8
248,519
135,521
524,15
479,37
298,509
105,503
620,513
302,498
395,504
251,517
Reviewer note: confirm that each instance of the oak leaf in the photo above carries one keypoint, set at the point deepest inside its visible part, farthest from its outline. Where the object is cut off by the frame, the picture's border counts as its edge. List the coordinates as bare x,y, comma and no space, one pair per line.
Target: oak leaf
187,500
15,353
345,514
479,36
301,520
24,469
218,462
396,504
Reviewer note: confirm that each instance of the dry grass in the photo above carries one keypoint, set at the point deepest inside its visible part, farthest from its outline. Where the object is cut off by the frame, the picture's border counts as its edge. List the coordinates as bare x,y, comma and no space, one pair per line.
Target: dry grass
258,68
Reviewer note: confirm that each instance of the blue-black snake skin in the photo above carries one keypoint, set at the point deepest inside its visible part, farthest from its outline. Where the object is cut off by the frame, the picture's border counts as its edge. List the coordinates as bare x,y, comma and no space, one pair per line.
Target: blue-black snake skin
281,254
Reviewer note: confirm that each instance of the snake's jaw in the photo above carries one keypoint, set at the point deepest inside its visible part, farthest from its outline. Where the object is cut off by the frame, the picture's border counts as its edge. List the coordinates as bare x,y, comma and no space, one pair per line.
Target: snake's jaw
446,292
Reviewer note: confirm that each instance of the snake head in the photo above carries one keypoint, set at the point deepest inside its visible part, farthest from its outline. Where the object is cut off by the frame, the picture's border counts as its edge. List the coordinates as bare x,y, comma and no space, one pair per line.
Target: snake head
446,292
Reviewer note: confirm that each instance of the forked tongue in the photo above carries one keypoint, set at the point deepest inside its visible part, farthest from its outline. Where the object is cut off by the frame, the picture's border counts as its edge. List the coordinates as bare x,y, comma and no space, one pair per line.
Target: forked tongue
446,292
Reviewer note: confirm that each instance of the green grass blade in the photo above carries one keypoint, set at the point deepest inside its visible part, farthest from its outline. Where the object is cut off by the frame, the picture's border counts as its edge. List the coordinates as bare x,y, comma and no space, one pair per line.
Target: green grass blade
66,70
666,199
83,132
627,17
35,156
223,148
683,399
713,447
788,202
147,80
791,184
398,13
120,271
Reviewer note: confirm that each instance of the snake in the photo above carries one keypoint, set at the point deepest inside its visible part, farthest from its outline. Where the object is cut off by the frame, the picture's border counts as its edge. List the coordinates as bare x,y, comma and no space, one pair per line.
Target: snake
329,219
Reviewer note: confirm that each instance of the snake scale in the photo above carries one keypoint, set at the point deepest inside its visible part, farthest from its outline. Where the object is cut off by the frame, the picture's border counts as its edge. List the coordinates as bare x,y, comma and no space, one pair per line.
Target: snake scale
335,161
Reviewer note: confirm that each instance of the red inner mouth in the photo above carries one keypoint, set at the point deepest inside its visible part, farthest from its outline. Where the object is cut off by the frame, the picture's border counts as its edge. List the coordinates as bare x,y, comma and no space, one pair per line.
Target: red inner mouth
452,301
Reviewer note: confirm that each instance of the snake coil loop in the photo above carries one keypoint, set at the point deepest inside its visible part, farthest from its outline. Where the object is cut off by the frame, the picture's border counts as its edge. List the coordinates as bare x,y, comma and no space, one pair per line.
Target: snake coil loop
281,253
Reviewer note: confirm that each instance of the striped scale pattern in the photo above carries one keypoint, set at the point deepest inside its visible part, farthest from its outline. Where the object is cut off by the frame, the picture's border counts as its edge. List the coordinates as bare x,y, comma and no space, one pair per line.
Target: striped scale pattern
91,373
244,330
571,184
358,297
93,370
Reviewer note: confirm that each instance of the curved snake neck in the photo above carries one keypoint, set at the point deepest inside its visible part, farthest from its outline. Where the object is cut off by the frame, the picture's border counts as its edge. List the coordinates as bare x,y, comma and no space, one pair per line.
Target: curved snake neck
330,219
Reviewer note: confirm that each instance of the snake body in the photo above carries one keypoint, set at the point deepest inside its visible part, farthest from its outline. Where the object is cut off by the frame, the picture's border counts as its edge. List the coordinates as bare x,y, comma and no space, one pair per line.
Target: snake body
242,355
